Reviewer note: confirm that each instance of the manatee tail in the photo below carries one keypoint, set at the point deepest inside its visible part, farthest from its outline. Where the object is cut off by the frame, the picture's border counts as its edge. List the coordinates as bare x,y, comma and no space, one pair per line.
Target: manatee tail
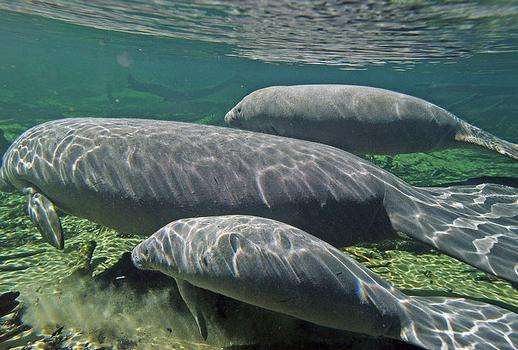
475,224
473,135
448,323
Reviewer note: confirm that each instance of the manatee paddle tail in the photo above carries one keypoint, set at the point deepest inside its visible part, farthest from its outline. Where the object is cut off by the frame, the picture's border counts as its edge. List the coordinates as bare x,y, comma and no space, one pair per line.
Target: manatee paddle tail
450,323
476,136
475,224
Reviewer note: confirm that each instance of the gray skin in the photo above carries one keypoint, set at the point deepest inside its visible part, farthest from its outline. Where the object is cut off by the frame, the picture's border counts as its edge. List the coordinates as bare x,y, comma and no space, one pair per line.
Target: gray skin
283,269
359,119
138,175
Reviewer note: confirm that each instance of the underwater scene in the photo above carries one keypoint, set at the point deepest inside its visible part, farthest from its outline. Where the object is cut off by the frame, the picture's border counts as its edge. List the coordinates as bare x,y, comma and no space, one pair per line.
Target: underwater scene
258,174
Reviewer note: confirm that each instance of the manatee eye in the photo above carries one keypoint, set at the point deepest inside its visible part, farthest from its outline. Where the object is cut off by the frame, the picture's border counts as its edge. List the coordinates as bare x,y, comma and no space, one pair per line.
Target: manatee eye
238,109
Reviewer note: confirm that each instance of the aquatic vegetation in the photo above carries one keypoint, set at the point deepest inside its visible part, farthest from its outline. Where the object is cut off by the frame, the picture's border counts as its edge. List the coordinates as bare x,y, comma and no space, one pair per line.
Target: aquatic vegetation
432,273
436,168
210,120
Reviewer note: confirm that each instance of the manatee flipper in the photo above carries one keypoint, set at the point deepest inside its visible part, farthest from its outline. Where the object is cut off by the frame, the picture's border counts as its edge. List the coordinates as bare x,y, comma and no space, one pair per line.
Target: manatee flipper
44,215
475,224
193,298
451,323
473,135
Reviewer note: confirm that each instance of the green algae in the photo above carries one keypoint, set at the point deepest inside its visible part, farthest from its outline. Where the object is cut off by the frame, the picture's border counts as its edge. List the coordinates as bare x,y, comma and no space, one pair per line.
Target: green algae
22,246
209,120
432,273
436,168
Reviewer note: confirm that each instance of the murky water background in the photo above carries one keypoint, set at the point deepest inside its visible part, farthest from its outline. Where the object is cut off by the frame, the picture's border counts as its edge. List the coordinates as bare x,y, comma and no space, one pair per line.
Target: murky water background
193,60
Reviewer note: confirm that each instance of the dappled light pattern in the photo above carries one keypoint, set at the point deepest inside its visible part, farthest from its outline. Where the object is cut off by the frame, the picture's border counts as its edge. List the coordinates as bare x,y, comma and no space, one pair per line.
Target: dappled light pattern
446,323
477,224
138,175
26,260
281,268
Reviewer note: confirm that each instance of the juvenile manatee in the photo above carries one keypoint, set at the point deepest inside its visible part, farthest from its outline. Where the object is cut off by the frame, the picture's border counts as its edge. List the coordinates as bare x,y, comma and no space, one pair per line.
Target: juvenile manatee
359,119
138,175
283,269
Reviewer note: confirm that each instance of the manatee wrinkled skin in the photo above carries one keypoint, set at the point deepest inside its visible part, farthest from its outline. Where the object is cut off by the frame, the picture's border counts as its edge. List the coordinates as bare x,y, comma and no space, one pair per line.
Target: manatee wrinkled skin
359,119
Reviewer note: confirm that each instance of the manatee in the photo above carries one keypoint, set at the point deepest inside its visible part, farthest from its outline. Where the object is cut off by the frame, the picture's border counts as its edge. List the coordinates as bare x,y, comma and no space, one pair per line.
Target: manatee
136,176
169,94
284,269
359,119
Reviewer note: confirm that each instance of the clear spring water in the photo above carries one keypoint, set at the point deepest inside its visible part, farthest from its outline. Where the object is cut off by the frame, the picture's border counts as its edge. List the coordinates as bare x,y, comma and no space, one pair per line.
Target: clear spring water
194,60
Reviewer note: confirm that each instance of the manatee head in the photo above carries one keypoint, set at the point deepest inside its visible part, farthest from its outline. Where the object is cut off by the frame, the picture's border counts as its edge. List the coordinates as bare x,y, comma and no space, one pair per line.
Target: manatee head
241,112
179,249
263,110
198,250
158,252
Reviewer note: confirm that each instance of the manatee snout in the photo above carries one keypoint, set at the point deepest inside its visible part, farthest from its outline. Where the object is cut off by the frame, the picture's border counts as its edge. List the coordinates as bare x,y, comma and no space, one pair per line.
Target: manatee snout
231,118
140,256
149,255
158,253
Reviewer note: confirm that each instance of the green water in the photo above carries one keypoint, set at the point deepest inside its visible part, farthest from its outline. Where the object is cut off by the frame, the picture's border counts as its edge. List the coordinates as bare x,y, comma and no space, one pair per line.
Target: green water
52,69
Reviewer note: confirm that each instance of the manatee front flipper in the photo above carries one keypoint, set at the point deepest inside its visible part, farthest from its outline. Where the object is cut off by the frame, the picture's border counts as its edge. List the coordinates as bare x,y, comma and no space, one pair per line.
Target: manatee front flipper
193,298
44,215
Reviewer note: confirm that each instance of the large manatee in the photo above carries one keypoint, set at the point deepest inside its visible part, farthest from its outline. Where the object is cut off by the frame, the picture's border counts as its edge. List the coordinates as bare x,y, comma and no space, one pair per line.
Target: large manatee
359,119
137,175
